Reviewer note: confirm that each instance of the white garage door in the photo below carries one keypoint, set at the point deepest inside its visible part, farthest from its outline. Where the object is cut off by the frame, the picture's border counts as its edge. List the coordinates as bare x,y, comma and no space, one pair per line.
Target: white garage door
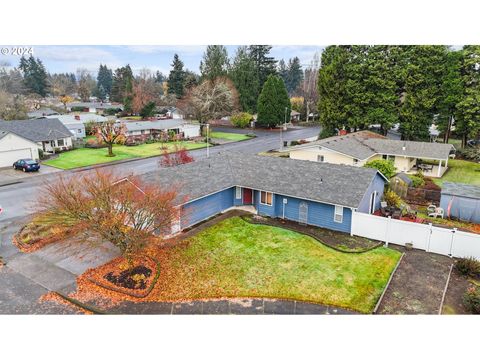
7,158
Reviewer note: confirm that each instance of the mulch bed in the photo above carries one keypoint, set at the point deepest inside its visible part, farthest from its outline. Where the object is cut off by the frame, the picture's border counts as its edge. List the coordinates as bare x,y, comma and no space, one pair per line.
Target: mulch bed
136,281
418,284
40,241
334,239
457,286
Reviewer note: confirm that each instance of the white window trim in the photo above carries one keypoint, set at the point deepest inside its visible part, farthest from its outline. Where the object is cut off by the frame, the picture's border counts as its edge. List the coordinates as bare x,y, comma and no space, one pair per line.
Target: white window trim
338,212
266,196
322,157
238,193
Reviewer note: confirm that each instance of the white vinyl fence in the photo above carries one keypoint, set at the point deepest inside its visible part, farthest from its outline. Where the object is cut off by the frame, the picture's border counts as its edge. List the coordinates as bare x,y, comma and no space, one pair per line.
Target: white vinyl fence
426,237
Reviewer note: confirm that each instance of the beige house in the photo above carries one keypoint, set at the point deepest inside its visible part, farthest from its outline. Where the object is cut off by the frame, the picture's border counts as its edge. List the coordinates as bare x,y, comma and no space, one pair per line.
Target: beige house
358,148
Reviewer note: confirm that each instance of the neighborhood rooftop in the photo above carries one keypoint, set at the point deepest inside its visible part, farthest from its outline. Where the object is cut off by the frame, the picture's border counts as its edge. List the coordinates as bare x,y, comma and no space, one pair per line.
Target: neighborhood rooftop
37,130
153,124
322,182
364,144
464,190
97,105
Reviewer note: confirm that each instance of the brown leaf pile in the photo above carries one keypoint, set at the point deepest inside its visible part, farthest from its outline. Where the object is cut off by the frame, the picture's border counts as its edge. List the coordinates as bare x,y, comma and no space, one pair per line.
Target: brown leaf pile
54,297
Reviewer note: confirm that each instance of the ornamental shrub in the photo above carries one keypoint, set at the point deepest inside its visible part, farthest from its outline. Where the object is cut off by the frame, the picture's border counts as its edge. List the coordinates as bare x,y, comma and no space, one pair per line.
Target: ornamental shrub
468,266
241,119
471,299
386,167
392,198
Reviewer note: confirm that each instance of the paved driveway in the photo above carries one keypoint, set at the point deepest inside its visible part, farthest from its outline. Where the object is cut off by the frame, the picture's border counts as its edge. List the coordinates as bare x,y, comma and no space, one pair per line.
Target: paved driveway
26,277
8,175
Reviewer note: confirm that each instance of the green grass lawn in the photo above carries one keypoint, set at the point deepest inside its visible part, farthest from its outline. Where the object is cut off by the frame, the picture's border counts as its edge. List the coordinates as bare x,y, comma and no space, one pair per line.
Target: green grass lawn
86,156
235,258
461,171
229,136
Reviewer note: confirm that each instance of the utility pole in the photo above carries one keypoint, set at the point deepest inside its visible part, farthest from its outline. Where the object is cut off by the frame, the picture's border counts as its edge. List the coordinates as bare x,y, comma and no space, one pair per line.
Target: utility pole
208,147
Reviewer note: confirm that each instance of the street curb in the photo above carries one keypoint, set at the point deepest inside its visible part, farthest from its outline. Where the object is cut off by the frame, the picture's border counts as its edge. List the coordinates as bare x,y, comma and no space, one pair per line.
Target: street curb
6,183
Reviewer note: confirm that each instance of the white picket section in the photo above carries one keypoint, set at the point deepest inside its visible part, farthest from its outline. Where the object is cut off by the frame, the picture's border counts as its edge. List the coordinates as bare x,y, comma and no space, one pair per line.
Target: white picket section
426,237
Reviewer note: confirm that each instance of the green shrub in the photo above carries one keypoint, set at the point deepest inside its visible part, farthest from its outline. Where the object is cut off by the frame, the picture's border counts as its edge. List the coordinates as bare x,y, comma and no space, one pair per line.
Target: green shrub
111,111
77,109
241,119
471,299
392,198
386,167
468,266
417,181
472,154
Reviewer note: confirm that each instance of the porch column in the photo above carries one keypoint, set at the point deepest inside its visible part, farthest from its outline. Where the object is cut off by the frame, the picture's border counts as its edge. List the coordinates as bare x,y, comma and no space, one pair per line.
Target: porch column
439,168
446,163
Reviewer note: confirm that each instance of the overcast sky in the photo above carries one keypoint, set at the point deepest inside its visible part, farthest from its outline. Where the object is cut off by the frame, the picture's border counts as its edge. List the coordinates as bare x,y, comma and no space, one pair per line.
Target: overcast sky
69,58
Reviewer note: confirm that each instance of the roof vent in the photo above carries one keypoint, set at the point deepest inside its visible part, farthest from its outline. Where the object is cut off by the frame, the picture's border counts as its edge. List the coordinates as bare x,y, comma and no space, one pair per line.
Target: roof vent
321,181
77,117
404,147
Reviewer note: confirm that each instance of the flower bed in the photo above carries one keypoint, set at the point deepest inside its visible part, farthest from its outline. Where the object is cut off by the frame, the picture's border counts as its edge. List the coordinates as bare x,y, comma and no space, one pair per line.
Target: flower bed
36,235
136,280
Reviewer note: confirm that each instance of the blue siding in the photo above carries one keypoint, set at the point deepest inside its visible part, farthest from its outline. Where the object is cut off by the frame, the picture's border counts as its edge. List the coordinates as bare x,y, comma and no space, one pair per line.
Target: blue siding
206,207
319,214
264,209
237,202
378,185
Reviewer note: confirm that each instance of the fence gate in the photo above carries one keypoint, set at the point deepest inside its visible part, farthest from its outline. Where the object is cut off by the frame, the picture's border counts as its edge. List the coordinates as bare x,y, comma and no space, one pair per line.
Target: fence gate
303,212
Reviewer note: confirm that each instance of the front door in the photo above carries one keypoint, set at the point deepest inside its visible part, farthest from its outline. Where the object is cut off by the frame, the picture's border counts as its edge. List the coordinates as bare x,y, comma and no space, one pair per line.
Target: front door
247,196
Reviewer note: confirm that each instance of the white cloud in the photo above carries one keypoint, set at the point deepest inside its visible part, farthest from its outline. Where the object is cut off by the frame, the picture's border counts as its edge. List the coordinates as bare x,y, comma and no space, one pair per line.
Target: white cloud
304,52
182,49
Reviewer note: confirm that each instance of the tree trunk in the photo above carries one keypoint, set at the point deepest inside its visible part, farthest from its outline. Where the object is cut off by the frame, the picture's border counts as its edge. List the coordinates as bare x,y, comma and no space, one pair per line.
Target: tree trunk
110,150
464,140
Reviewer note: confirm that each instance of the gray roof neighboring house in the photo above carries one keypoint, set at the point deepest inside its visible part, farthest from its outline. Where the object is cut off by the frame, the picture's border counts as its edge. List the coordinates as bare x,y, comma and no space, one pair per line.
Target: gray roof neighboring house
84,118
322,182
153,124
96,105
463,190
37,130
41,112
364,144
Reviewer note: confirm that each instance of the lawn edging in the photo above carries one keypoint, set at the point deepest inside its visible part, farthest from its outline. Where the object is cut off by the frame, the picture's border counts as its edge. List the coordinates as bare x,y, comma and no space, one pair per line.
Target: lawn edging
375,309
80,304
251,220
445,290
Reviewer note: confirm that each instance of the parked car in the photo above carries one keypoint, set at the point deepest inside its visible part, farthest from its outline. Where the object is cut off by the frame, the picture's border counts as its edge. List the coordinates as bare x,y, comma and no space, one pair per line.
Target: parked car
473,143
26,165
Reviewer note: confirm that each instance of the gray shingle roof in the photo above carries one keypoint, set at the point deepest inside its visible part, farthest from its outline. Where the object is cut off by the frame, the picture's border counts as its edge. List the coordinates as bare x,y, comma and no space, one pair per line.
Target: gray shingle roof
458,189
364,144
96,105
37,130
322,182
155,124
41,112
84,118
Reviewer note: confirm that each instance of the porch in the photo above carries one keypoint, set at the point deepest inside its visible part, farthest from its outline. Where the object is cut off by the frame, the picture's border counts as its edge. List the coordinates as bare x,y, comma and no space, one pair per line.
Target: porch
430,168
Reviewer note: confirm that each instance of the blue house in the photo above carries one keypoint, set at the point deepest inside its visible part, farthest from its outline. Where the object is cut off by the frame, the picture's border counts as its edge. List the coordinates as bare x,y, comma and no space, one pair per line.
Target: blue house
319,194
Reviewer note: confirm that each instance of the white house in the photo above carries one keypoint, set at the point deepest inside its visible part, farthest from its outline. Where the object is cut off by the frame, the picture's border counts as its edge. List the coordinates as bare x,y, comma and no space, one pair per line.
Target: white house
76,123
50,135
14,147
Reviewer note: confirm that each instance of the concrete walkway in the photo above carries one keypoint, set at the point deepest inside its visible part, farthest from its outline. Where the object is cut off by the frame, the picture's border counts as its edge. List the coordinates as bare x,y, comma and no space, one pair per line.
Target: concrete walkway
26,277
230,307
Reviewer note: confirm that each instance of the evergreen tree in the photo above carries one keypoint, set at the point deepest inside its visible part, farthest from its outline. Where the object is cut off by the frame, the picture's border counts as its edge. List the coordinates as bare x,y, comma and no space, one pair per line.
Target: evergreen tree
244,77
128,95
332,91
273,103
34,75
104,81
176,78
283,71
265,65
215,62
294,75
191,79
423,76
451,93
122,79
468,122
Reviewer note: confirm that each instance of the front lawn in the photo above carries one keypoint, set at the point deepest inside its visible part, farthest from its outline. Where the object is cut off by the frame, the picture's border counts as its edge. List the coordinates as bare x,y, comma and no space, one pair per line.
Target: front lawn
234,258
461,171
229,136
87,156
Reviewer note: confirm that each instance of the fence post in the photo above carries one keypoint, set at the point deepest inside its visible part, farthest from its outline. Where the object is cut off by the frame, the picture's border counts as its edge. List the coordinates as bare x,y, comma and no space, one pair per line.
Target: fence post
454,230
351,223
389,219
427,248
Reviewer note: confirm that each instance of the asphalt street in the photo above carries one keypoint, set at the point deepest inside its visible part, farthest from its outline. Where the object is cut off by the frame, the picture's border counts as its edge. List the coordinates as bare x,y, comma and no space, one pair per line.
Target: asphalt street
20,199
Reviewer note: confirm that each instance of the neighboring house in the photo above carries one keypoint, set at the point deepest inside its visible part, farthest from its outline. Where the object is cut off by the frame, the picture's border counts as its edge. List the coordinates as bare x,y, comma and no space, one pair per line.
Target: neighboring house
317,194
49,134
294,116
93,107
14,147
461,201
360,147
157,129
41,112
175,113
76,123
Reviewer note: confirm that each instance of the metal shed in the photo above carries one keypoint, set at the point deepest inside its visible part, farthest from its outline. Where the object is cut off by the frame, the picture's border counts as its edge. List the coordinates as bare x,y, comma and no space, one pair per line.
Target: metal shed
461,201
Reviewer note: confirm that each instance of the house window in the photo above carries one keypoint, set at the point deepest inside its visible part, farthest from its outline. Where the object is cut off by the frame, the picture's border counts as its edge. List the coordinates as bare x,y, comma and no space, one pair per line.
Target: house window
79,131
338,217
60,142
385,157
320,158
238,192
266,198
355,161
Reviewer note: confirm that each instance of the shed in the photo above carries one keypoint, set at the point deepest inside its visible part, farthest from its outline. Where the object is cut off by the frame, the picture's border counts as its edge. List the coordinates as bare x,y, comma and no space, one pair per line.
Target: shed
461,201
